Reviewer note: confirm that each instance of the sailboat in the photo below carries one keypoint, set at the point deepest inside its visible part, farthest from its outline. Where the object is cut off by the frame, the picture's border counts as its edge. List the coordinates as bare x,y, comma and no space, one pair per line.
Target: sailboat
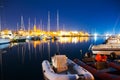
57,37
48,37
3,40
20,37
28,37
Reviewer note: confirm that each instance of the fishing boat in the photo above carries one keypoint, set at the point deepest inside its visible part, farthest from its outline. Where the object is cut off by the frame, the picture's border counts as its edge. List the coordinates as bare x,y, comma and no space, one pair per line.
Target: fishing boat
63,68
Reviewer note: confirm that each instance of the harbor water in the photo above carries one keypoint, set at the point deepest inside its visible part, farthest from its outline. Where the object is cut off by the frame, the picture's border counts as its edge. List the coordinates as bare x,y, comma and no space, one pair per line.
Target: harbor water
22,61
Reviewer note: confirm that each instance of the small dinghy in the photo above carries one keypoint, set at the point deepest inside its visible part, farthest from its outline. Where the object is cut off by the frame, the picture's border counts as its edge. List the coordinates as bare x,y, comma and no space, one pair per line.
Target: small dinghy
63,68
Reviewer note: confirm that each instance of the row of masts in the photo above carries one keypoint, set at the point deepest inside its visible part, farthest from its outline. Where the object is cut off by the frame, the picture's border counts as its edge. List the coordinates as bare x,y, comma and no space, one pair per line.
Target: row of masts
22,27
0,23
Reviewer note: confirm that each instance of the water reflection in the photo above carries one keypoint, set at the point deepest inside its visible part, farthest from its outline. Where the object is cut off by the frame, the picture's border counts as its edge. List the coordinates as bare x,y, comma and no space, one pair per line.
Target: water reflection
29,51
73,39
95,38
23,53
48,44
2,51
1,67
27,57
57,45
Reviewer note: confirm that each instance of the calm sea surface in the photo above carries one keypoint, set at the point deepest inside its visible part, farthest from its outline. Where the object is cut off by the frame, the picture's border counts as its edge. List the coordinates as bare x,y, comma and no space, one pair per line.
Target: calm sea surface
22,61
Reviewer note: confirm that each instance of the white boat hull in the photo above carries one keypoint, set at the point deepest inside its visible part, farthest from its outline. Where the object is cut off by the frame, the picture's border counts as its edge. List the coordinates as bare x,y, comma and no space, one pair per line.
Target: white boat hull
106,49
82,73
4,41
106,52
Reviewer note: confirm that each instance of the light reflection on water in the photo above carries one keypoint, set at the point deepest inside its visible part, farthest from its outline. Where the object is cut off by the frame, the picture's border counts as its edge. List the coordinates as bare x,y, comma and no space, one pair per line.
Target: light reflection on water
22,61
73,39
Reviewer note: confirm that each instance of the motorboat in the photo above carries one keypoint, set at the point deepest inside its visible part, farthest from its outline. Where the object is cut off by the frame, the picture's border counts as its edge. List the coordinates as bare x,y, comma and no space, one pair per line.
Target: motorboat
112,45
63,68
48,37
7,34
4,41
113,40
34,38
3,46
106,49
56,37
19,39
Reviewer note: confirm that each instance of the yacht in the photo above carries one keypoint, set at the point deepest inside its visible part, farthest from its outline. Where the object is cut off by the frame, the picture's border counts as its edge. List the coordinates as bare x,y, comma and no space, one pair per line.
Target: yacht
4,41
113,40
7,34
112,45
63,68
3,46
106,49
19,39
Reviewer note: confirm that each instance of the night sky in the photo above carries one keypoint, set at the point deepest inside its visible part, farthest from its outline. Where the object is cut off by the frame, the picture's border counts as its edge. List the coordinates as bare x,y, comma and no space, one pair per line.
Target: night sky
99,16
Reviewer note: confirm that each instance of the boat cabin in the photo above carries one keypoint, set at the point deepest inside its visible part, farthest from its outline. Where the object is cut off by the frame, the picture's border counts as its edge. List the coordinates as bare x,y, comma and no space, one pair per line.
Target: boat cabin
60,63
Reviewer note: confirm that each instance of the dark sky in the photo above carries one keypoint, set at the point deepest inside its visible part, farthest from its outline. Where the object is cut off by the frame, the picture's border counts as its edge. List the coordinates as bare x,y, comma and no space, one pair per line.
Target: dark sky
88,15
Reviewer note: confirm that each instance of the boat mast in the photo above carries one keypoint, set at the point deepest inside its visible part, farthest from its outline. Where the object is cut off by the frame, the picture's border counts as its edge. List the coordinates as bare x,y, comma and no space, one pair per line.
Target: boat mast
1,7
35,24
41,24
0,23
35,21
29,24
22,23
48,29
17,26
57,20
63,27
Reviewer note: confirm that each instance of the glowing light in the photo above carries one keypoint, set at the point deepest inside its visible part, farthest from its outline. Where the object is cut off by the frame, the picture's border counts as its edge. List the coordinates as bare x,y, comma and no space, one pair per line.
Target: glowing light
119,35
35,43
107,35
95,36
73,39
75,32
